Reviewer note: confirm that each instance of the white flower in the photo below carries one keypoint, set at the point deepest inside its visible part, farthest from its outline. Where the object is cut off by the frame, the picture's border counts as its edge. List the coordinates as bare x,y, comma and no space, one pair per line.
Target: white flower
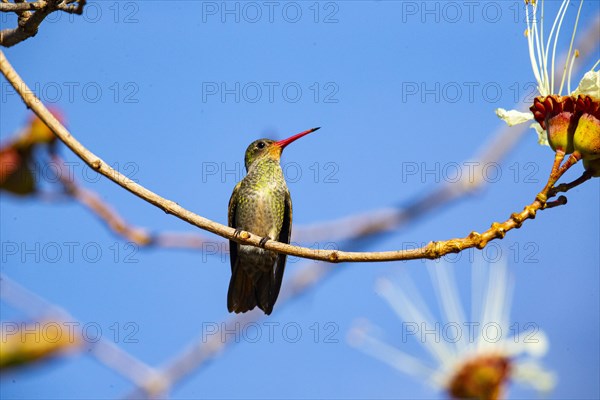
542,53
462,350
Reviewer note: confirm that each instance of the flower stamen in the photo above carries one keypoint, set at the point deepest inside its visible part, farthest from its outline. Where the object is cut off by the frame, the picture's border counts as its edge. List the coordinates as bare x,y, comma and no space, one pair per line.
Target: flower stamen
575,55
569,53
542,51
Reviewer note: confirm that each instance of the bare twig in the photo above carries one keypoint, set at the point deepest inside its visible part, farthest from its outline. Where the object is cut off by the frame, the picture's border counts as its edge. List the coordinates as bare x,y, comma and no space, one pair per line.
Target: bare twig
379,220
564,187
431,251
31,15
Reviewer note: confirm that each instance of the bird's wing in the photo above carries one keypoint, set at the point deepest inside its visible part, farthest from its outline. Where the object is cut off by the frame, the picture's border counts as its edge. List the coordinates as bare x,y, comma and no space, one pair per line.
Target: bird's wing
231,221
284,237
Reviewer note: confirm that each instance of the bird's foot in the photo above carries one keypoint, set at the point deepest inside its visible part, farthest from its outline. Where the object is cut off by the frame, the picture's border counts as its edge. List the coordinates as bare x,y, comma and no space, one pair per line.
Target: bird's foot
237,232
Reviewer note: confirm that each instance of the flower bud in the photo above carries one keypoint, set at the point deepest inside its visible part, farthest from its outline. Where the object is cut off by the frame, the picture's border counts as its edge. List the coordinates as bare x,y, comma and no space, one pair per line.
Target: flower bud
557,116
586,139
560,131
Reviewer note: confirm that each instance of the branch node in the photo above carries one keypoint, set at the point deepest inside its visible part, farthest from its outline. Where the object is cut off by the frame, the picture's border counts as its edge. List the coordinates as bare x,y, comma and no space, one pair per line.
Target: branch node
334,257
475,236
541,197
96,164
516,217
438,248
244,235
531,211
499,230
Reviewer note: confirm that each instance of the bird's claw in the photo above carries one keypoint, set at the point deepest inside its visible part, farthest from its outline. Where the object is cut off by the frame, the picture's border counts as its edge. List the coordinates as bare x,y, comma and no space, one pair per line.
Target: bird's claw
264,241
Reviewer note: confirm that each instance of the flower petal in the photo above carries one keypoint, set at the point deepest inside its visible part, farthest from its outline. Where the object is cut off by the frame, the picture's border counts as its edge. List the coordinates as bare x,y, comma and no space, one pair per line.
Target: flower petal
589,85
513,117
542,135
533,374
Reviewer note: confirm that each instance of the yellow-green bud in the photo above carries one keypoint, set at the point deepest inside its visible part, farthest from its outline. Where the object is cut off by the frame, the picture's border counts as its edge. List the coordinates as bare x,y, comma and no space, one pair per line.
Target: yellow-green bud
560,131
586,139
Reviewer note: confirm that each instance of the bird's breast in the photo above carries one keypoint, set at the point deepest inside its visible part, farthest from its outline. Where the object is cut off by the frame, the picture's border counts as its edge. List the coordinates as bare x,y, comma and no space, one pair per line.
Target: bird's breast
261,208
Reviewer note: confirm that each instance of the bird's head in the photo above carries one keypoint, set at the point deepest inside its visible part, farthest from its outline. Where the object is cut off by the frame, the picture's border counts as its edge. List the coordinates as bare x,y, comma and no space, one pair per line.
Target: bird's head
267,148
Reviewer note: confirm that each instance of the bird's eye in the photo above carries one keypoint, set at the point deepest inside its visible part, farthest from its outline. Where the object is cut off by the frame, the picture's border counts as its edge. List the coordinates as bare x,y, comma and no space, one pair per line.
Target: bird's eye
260,145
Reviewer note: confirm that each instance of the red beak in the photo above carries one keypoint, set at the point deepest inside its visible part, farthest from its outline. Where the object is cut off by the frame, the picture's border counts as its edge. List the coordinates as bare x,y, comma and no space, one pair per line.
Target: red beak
285,142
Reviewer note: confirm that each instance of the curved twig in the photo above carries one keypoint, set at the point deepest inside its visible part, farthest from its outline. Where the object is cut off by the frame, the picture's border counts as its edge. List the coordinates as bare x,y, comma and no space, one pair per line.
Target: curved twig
431,251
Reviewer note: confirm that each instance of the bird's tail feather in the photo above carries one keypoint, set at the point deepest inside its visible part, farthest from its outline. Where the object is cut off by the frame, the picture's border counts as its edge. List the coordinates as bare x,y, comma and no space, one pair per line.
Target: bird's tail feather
241,296
247,291
264,291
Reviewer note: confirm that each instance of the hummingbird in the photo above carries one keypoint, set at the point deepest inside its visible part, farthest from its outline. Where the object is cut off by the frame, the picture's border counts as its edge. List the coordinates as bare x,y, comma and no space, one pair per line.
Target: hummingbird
260,204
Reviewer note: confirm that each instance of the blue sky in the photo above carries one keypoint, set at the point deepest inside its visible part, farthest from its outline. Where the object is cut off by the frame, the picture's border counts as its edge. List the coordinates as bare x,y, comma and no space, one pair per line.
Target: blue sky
172,93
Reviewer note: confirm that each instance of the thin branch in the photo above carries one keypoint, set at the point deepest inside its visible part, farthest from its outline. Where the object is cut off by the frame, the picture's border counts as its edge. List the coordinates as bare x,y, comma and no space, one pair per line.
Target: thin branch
565,187
385,219
431,251
379,220
29,21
